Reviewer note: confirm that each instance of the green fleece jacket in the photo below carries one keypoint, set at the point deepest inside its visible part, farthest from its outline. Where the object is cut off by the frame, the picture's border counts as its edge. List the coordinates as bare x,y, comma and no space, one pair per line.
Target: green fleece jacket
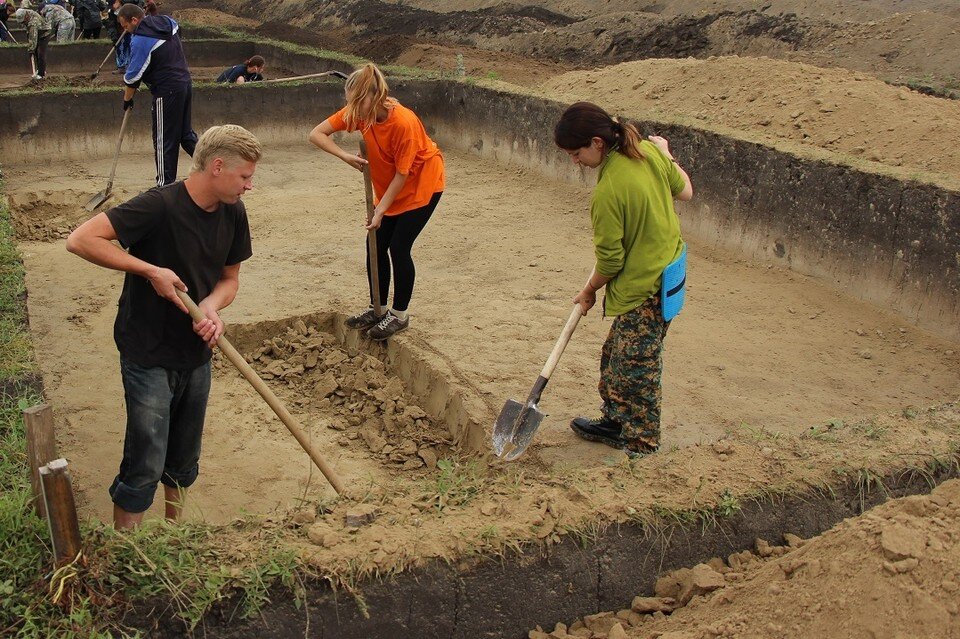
636,232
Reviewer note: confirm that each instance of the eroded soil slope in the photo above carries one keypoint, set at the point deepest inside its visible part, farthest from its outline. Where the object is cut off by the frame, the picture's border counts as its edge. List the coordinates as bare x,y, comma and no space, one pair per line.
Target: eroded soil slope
892,572
890,39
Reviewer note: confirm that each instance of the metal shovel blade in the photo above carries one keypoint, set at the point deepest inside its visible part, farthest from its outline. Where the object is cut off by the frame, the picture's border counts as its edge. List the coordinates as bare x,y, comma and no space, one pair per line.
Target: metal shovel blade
98,199
515,428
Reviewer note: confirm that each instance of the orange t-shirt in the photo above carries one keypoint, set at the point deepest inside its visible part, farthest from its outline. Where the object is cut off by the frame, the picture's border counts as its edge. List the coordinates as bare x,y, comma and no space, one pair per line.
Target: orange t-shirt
400,144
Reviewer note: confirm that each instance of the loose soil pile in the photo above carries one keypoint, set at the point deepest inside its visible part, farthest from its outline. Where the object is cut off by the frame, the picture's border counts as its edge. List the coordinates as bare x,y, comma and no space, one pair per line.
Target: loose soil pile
889,39
782,104
46,216
362,399
892,572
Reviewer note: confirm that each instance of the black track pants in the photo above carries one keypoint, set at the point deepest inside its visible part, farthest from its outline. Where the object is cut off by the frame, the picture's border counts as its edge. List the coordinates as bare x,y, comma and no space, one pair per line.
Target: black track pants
395,239
171,130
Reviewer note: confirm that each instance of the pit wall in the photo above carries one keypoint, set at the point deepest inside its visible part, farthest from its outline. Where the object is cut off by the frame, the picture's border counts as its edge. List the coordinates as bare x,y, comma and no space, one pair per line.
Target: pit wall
426,376
895,243
505,596
86,55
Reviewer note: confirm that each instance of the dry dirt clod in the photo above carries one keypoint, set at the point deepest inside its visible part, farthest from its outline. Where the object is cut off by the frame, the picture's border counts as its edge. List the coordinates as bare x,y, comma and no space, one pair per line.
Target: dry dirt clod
901,542
360,515
601,622
648,605
793,540
617,632
429,457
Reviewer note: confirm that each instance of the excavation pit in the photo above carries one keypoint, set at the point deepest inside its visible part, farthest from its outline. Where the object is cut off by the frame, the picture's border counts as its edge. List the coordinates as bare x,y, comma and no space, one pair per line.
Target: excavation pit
813,343
47,216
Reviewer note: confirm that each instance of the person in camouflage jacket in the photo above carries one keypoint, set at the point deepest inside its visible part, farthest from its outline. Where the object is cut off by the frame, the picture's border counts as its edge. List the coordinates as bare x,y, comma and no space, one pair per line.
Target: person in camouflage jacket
38,35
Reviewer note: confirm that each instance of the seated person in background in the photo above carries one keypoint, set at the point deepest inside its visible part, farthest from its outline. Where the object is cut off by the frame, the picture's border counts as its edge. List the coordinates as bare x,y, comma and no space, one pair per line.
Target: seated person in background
249,71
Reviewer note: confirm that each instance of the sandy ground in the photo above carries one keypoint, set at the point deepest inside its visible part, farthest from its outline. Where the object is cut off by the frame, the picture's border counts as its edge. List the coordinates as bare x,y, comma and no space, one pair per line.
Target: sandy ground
756,347
783,104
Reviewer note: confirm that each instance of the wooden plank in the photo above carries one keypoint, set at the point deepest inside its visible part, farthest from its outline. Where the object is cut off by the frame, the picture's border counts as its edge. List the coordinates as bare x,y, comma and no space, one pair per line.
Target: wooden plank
41,447
61,510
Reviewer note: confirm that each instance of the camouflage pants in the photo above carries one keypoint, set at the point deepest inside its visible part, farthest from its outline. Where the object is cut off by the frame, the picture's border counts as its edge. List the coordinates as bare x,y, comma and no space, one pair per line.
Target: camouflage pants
631,365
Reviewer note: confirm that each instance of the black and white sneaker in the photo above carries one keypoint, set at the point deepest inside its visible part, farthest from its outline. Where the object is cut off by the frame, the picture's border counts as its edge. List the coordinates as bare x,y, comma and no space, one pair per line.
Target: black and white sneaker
387,326
364,320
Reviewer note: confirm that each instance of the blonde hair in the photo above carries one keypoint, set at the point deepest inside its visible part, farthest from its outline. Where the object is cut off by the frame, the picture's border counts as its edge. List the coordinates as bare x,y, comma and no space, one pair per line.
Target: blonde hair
227,141
367,81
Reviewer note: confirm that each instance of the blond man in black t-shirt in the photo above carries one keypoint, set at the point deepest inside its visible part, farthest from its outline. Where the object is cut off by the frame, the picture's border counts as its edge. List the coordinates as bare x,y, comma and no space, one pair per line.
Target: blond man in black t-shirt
190,236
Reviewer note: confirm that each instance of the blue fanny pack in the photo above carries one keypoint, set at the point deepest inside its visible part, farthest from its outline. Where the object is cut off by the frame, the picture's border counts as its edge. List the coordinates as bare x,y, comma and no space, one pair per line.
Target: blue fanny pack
673,286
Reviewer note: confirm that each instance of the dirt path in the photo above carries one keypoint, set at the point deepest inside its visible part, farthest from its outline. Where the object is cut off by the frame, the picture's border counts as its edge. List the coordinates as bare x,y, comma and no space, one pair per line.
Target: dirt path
497,267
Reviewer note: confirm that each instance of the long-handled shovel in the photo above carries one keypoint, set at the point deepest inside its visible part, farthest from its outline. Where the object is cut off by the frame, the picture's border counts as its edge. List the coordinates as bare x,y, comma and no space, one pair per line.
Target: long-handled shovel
116,44
371,234
336,74
518,422
7,31
260,386
102,196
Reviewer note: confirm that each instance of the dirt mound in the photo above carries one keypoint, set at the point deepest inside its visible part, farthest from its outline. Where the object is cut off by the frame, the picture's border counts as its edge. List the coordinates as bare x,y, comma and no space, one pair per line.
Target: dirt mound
46,216
354,394
214,18
892,572
889,41
776,102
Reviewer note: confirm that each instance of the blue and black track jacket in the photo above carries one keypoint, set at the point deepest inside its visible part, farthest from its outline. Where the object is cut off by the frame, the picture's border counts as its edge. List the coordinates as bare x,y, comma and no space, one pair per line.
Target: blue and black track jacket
156,57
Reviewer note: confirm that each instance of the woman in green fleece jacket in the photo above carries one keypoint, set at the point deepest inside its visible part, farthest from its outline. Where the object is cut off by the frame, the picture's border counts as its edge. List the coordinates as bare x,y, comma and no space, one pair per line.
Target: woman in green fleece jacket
636,234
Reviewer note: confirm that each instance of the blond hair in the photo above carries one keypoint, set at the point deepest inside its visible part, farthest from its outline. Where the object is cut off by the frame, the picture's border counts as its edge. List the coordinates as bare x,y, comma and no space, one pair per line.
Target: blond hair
367,81
227,141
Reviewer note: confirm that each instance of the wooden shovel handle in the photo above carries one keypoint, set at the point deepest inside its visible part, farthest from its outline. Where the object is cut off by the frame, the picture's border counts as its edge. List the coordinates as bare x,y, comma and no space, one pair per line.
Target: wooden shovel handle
562,341
107,57
371,234
260,386
116,154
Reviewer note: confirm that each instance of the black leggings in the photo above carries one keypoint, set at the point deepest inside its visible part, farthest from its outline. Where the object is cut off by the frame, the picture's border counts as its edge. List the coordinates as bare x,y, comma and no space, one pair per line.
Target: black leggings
396,235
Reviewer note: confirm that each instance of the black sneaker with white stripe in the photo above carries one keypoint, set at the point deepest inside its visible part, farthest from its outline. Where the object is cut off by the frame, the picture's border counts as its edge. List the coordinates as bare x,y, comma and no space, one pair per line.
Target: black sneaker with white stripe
363,321
386,327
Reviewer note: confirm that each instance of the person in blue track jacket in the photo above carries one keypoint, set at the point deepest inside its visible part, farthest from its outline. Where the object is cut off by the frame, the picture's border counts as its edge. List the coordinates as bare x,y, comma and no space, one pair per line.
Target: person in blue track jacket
156,57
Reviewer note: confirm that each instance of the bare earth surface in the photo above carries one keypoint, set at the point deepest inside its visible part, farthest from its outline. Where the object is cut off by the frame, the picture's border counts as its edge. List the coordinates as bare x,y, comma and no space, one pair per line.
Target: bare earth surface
783,104
493,291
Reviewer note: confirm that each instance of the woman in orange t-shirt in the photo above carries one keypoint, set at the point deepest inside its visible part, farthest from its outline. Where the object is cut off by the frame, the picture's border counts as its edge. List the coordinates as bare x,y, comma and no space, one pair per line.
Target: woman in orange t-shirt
406,168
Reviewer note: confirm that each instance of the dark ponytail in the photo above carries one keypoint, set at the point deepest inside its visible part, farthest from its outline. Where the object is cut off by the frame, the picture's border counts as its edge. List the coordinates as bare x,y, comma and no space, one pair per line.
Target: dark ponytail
583,121
255,61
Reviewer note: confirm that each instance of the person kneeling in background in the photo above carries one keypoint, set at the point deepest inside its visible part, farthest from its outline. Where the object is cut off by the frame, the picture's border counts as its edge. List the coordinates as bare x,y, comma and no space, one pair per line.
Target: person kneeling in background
249,71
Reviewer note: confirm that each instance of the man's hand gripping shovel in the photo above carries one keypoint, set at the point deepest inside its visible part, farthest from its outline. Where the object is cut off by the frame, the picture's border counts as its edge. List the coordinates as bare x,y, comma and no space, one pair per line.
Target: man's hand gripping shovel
517,423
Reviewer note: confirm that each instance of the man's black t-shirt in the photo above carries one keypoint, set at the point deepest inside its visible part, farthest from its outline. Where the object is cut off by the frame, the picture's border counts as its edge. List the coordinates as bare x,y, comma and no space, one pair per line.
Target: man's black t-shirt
165,227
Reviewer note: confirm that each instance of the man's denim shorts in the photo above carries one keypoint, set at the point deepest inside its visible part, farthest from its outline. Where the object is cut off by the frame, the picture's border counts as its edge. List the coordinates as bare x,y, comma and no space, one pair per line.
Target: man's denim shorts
165,411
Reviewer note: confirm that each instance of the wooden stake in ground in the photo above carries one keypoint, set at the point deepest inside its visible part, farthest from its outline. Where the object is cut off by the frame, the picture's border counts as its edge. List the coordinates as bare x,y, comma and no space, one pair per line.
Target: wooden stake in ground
261,387
61,510
371,234
41,448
